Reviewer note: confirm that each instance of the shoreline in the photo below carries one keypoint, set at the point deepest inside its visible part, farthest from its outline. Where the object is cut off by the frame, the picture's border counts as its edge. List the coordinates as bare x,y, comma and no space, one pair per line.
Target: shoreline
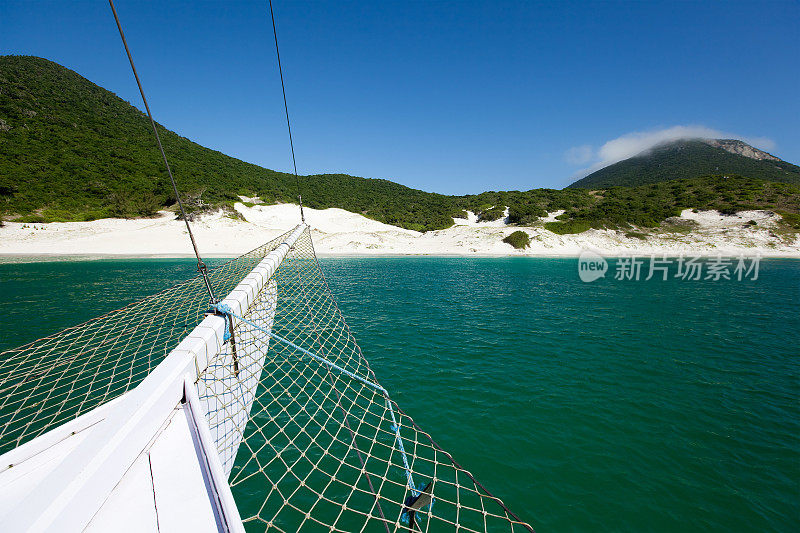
41,258
339,233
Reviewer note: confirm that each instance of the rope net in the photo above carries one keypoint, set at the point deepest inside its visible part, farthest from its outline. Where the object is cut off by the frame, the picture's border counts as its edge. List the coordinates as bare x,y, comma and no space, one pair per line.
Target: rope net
308,437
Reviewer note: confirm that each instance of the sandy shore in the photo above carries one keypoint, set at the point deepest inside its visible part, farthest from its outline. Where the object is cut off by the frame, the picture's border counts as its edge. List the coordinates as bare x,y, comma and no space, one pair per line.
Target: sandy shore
339,232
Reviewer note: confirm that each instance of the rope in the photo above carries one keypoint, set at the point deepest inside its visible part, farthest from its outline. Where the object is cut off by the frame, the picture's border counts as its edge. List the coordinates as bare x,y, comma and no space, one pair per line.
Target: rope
226,310
286,109
201,266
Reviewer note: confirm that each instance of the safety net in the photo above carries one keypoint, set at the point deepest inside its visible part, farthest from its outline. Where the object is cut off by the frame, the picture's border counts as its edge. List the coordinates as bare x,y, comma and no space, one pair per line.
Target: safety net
309,438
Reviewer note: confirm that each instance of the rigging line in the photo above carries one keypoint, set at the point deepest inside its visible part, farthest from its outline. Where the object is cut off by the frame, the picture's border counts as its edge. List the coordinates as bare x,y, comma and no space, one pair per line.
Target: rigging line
201,266
226,310
286,108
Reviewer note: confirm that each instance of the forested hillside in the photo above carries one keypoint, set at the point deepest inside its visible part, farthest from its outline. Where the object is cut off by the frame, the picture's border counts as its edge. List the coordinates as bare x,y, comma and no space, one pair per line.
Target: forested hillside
71,150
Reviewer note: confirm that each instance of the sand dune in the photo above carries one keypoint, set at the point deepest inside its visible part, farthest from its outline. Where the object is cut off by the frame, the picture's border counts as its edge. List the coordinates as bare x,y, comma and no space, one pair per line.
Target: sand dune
339,232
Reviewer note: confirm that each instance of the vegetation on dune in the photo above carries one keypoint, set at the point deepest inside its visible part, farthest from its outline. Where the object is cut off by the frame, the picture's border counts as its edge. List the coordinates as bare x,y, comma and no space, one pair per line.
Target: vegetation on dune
623,207
70,150
649,205
491,213
524,207
636,235
518,239
381,200
569,226
791,219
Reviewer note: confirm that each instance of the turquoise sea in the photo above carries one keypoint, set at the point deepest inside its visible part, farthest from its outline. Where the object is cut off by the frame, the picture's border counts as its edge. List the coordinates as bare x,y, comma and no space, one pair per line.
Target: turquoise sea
612,405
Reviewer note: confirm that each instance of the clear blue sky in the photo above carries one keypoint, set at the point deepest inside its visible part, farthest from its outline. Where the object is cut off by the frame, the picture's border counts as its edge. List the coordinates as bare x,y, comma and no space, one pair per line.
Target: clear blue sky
453,97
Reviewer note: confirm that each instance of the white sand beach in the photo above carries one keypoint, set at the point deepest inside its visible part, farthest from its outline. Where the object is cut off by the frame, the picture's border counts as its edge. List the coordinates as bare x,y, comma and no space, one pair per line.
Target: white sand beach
340,232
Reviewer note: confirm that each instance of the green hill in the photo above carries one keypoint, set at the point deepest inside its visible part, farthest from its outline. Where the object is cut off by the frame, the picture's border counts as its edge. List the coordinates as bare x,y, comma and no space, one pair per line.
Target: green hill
71,150
691,159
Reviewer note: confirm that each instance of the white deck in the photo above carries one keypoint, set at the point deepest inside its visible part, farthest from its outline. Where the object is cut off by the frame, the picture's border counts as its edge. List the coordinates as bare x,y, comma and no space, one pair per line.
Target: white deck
165,489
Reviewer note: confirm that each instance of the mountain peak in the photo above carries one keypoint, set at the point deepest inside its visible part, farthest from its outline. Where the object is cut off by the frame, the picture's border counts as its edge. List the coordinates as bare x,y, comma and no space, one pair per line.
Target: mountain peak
692,158
738,147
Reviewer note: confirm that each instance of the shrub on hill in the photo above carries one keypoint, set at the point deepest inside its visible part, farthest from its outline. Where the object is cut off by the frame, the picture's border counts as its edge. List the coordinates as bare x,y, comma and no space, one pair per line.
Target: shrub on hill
518,239
488,215
568,227
790,219
525,214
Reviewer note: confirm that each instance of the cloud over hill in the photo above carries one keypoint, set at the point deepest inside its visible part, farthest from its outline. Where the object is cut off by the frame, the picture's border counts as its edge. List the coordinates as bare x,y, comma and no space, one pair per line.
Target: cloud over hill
631,144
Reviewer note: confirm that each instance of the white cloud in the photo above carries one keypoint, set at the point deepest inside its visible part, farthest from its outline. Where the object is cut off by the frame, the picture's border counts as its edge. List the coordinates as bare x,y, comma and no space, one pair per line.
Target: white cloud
579,155
634,143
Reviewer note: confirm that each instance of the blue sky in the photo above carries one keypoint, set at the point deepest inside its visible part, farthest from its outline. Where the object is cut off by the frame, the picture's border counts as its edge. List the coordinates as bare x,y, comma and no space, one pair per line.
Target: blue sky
452,97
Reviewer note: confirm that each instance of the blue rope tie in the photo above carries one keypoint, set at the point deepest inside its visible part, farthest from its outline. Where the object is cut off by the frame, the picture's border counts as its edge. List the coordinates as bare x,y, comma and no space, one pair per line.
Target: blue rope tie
227,335
226,310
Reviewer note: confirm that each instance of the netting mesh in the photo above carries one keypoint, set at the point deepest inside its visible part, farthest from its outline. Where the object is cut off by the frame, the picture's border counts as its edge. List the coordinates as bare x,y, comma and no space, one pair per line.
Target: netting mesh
55,379
306,446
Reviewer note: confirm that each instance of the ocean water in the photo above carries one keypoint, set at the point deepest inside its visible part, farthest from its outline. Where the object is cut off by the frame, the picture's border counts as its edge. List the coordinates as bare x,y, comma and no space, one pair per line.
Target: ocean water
612,405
